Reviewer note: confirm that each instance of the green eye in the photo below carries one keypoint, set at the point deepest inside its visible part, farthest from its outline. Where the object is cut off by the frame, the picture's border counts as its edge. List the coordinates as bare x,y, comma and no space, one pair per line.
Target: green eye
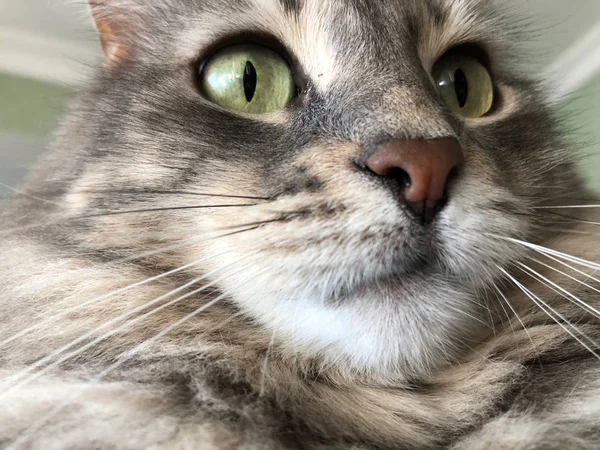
248,78
465,84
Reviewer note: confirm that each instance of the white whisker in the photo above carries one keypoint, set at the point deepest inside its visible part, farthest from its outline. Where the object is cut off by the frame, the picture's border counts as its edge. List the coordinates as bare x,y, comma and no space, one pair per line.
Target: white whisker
546,250
185,243
104,297
560,290
90,334
508,318
565,230
583,283
546,308
516,315
127,355
49,222
568,207
470,316
121,359
25,194
266,363
574,269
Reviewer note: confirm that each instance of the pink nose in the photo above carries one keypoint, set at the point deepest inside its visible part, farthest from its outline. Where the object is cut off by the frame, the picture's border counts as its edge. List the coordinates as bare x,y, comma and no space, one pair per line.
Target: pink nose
422,168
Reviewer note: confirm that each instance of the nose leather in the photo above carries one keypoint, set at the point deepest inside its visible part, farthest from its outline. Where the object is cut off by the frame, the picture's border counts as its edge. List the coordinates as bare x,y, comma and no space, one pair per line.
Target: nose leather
424,166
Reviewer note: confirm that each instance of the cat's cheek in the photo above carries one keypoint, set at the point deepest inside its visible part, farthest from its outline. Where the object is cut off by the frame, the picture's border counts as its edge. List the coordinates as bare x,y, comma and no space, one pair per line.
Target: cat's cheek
469,227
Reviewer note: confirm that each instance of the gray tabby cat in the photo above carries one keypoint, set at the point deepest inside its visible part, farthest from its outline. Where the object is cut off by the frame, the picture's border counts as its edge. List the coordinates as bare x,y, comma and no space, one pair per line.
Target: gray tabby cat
302,224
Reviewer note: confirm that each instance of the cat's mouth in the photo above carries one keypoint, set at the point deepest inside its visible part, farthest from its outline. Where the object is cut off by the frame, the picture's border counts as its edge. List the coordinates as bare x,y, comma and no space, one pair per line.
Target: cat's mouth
418,258
337,254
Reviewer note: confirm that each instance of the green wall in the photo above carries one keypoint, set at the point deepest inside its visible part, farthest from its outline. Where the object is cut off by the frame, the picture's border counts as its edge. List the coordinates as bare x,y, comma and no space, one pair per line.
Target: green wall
31,109
582,113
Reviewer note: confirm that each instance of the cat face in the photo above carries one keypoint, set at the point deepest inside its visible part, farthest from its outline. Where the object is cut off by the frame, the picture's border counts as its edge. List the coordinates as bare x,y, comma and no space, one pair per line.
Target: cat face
308,232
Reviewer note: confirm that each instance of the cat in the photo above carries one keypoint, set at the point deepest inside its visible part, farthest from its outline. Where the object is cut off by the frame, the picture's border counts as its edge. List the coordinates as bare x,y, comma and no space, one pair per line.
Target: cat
303,224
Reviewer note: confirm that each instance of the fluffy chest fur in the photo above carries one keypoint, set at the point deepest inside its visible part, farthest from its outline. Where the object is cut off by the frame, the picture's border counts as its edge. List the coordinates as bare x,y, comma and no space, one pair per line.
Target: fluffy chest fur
277,266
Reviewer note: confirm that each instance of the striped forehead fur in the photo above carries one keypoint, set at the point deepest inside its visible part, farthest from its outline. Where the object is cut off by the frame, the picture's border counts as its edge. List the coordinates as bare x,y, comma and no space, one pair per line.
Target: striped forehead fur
307,28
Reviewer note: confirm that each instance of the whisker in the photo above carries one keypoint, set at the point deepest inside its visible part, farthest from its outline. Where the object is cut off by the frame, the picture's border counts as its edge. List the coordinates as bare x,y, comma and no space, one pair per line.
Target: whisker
182,244
104,297
486,300
265,365
566,230
559,290
47,224
583,283
162,192
123,327
136,192
546,308
185,243
173,208
570,258
265,222
120,213
569,219
121,359
470,316
126,288
568,207
126,355
516,315
149,280
27,195
546,250
508,318
593,198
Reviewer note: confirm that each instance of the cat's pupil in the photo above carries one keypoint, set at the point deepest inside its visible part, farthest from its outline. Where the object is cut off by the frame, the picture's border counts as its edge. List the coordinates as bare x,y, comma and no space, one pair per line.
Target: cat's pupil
461,86
250,79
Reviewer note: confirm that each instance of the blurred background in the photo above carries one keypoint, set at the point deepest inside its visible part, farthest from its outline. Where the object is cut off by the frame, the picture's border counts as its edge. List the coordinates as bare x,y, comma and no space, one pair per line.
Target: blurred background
49,47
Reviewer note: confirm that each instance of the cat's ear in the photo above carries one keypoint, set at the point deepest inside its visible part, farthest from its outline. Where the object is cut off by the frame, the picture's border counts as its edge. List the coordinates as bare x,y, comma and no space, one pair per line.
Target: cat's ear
116,27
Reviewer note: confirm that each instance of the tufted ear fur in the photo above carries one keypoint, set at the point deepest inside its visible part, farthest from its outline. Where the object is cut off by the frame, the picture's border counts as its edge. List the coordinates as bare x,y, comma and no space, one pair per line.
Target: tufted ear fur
116,27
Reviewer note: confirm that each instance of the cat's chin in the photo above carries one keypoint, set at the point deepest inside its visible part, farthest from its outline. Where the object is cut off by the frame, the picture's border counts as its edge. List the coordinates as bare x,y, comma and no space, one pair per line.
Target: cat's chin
400,325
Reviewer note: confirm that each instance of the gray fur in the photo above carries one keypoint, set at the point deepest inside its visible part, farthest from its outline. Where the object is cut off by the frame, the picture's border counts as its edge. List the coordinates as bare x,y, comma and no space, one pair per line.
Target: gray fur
401,340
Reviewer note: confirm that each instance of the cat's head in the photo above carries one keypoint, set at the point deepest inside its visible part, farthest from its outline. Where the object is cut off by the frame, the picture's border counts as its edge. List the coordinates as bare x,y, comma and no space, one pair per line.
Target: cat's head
358,157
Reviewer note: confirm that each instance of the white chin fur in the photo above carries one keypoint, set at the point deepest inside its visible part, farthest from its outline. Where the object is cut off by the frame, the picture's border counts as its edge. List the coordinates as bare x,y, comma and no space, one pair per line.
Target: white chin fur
387,328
